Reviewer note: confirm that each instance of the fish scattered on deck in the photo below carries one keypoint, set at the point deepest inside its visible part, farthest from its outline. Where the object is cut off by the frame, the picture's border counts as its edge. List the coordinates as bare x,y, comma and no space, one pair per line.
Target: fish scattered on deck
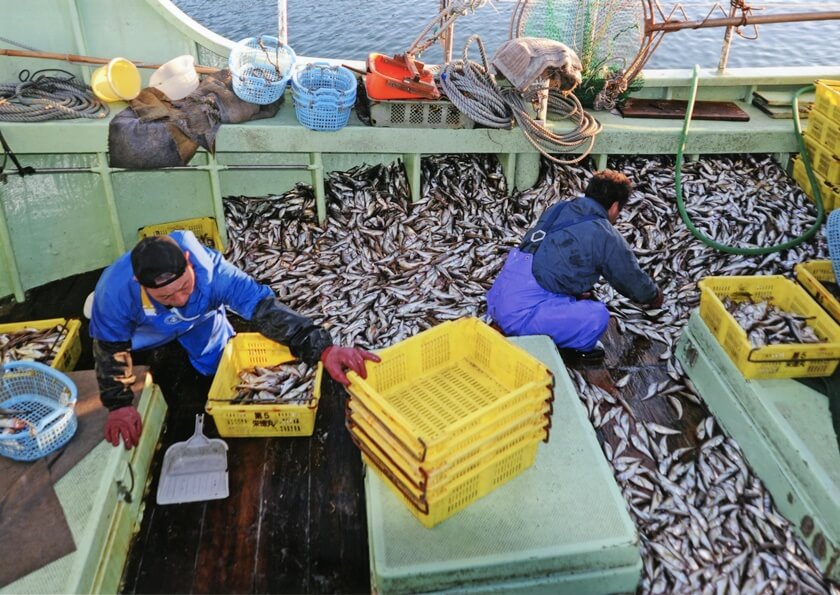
382,269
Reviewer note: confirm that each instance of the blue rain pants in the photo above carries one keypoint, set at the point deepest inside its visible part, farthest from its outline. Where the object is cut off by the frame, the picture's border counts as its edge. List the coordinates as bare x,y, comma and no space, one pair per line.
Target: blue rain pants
520,306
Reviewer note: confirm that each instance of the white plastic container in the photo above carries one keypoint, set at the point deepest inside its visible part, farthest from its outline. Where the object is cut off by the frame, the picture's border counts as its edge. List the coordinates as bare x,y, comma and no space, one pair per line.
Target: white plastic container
177,78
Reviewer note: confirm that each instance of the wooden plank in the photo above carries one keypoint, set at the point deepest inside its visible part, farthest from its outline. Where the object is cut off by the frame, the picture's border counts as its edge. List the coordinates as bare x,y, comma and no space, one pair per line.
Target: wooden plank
338,524
783,113
675,109
283,565
226,558
782,98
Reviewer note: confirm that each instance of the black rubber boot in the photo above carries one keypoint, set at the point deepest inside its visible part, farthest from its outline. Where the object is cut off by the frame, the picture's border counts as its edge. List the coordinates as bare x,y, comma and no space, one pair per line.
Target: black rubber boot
582,359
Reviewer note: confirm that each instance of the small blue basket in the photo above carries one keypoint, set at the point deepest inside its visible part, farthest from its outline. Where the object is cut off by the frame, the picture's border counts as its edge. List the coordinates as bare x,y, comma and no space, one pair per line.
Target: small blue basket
260,68
832,235
43,398
324,95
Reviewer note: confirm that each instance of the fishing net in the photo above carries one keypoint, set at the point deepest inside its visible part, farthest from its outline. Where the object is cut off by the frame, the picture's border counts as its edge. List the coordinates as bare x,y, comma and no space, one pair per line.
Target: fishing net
605,34
615,38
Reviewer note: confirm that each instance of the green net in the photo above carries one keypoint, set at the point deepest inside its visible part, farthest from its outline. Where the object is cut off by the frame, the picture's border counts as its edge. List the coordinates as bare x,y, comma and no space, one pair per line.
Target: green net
605,34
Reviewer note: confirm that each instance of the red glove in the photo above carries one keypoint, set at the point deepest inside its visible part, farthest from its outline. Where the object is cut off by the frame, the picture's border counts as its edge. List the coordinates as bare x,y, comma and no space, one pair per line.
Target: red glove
124,422
336,359
657,301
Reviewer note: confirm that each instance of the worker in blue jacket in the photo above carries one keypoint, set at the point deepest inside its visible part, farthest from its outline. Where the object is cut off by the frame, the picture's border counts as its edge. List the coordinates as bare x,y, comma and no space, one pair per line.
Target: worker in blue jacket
174,288
545,286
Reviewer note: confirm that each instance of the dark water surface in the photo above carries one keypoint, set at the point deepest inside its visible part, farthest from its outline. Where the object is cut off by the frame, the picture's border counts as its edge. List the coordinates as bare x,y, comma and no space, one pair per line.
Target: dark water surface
350,29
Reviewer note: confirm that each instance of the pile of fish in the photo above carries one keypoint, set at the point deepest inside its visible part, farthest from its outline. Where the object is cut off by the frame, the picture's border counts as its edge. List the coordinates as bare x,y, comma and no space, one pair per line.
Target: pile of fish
707,524
284,383
766,324
40,345
382,269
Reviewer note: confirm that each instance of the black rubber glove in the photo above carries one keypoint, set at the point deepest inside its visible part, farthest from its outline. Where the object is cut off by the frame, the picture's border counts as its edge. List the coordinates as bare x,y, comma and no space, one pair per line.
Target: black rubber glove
114,373
305,339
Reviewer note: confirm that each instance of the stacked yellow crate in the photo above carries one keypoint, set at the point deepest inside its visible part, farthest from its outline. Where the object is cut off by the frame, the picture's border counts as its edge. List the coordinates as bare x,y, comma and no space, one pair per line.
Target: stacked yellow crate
822,141
449,415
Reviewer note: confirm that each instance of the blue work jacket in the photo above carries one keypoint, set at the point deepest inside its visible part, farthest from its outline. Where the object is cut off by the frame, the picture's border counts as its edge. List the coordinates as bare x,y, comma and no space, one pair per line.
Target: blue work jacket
119,309
571,260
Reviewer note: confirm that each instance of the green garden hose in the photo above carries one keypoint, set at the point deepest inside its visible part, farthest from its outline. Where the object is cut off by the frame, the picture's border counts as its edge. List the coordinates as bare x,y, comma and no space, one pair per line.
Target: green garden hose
805,161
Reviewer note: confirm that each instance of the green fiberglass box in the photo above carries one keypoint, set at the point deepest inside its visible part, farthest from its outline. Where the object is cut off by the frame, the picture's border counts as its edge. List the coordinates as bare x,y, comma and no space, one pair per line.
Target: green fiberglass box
559,527
784,428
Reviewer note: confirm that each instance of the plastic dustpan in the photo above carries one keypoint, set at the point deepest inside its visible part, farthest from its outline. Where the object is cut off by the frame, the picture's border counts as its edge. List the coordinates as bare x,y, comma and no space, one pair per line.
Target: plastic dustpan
194,470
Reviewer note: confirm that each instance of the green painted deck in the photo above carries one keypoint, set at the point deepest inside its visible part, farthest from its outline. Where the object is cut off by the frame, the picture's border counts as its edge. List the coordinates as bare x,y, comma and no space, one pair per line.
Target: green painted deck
784,429
560,527
102,498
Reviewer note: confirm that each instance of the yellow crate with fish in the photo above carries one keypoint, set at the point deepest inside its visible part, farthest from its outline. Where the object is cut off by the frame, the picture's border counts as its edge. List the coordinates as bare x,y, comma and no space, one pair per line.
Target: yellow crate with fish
53,341
204,228
827,99
432,506
247,351
364,427
772,360
817,278
448,382
830,194
823,160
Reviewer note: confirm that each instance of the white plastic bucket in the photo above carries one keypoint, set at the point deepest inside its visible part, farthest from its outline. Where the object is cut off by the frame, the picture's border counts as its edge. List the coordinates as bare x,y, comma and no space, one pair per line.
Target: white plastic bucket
177,78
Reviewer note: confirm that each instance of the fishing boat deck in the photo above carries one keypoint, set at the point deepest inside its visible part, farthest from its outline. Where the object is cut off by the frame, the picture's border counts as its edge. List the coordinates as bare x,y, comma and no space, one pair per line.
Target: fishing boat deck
295,520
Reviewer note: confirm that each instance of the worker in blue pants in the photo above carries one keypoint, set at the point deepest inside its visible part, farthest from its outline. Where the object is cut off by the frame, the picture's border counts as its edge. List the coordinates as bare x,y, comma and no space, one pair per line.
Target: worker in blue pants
174,288
545,286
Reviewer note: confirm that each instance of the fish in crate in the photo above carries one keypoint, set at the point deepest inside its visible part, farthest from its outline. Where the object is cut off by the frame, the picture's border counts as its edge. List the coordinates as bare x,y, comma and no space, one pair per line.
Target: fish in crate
766,324
284,383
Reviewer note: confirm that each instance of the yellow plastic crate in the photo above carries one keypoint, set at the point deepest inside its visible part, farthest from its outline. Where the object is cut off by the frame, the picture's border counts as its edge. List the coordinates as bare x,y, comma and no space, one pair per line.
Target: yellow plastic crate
824,162
791,360
447,381
436,506
830,194
71,345
827,98
247,350
825,130
811,276
422,476
204,228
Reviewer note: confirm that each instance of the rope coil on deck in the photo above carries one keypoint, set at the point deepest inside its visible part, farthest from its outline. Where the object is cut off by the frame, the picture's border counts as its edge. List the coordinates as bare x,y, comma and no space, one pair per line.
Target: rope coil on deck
475,93
38,98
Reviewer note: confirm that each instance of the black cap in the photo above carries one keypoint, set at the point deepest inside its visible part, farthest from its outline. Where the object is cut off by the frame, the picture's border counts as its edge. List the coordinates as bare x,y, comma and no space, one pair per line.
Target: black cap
157,261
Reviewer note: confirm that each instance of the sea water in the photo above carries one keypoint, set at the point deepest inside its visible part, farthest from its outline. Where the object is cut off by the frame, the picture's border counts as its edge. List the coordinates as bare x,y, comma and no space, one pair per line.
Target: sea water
351,29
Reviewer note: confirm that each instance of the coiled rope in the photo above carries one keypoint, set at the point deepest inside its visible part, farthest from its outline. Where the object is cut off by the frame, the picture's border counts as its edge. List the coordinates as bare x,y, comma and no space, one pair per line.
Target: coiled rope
474,91
40,97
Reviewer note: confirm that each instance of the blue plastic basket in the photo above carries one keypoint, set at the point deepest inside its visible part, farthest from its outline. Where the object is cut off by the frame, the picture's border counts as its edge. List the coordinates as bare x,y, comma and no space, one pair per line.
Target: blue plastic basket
832,235
260,68
44,398
323,96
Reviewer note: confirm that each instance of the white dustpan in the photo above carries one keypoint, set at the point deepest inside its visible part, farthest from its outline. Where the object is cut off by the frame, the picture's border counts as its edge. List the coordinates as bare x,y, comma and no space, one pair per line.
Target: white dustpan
194,470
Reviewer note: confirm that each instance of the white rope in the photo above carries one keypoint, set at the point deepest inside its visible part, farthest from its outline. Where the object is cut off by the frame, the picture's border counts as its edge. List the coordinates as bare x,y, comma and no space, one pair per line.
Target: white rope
474,91
48,98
